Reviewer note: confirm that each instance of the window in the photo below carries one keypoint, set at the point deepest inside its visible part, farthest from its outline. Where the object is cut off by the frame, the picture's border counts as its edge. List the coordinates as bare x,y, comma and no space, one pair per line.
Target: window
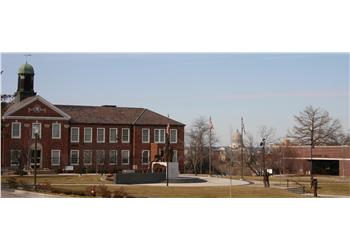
159,135
16,130
173,135
125,157
125,135
15,157
113,135
100,157
87,135
145,156
87,157
100,135
112,157
74,157
55,157
36,127
145,135
56,131
74,134
174,159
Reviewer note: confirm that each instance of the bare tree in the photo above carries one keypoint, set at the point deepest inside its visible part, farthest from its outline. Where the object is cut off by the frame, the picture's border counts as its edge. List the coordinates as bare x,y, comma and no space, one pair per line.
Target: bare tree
314,126
198,139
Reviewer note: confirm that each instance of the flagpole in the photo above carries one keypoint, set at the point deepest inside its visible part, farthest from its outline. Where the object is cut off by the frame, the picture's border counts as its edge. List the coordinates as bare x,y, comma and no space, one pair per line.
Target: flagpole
242,156
210,128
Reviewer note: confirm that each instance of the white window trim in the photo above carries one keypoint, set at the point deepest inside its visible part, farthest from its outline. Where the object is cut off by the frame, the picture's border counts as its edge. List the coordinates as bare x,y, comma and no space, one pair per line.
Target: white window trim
128,141
149,135
123,163
145,163
116,135
33,136
20,130
158,131
59,157
59,124
12,150
71,134
88,141
173,142
70,157
116,157
104,135
90,163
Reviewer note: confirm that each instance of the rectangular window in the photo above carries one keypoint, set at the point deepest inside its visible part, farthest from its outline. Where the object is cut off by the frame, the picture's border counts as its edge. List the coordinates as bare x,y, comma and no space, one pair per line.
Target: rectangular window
145,135
87,135
100,135
145,156
74,157
125,157
56,131
159,135
74,134
36,127
15,158
87,157
16,130
100,157
112,157
113,135
125,135
173,135
55,157
174,159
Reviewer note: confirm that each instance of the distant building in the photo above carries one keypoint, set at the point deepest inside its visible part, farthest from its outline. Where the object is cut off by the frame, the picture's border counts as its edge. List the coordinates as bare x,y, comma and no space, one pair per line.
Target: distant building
108,138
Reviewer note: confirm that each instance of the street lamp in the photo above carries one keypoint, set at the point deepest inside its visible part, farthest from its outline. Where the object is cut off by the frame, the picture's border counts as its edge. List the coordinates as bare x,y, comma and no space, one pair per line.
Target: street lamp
262,144
36,135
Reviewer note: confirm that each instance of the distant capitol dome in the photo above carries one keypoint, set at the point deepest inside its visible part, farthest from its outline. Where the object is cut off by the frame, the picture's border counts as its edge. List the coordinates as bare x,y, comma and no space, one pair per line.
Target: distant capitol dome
26,69
236,139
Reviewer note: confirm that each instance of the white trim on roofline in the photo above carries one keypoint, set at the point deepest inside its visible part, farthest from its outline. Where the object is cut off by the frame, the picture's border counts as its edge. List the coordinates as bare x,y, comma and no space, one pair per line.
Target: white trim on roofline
28,101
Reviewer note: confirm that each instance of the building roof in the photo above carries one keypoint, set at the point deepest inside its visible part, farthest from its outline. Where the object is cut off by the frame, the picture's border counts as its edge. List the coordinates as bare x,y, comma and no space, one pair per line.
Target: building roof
26,69
115,115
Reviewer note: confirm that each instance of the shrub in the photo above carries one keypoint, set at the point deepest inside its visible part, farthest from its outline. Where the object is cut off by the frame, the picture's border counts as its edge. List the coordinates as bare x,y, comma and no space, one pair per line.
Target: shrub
12,182
46,186
120,193
103,191
20,172
91,191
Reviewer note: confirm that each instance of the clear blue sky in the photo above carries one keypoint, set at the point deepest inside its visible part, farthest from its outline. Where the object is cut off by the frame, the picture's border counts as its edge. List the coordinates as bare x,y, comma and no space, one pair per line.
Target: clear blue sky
267,89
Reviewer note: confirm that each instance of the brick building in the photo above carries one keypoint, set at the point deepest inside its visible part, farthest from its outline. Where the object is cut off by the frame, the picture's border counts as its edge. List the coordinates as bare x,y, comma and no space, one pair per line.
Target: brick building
92,138
328,160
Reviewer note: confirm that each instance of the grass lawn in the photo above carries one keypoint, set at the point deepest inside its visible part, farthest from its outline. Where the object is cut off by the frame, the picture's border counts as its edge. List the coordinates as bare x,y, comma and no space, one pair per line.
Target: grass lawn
140,191
330,185
155,191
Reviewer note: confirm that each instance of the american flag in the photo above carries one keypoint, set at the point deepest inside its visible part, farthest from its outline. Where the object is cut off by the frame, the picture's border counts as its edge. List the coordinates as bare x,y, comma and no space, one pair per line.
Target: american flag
211,126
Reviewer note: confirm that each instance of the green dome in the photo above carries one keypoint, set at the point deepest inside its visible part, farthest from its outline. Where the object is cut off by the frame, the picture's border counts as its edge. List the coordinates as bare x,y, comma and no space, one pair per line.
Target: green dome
26,69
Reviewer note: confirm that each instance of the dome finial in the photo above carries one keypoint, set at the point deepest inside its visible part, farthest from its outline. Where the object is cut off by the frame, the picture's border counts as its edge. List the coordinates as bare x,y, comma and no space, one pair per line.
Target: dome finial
27,55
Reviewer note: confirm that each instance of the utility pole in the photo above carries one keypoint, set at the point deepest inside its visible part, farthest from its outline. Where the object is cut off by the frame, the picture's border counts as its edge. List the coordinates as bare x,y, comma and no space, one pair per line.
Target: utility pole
242,151
210,135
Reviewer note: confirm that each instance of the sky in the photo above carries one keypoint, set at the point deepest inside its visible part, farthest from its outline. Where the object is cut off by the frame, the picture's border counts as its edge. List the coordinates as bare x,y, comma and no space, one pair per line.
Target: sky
265,89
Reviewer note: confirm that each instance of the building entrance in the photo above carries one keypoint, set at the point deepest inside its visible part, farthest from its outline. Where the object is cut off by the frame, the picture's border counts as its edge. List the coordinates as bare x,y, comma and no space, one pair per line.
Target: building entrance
325,167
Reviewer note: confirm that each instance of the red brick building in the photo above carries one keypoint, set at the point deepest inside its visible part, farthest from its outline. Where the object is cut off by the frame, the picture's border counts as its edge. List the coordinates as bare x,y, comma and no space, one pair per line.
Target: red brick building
92,138
328,160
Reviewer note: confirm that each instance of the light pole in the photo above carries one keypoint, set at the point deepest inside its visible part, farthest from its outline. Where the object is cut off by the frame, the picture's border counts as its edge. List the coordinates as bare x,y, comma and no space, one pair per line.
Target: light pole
36,134
262,144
